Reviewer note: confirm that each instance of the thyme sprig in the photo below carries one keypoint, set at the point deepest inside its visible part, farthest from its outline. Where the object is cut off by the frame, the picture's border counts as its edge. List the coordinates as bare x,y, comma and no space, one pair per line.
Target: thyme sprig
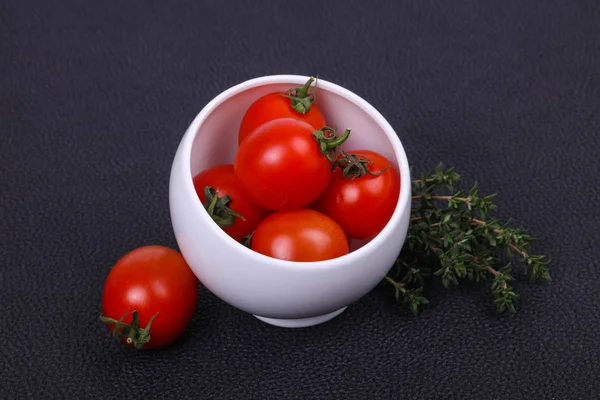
459,243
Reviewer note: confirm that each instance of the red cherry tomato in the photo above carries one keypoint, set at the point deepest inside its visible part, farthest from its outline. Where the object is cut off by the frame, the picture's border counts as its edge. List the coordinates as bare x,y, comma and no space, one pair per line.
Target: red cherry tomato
228,212
281,166
154,292
295,103
361,203
300,235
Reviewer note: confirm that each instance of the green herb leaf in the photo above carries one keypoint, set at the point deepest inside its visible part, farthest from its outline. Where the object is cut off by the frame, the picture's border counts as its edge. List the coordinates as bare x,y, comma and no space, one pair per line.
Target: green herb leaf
450,234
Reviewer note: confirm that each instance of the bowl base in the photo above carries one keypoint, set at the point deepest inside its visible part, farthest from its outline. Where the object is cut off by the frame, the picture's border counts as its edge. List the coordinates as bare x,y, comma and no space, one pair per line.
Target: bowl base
302,322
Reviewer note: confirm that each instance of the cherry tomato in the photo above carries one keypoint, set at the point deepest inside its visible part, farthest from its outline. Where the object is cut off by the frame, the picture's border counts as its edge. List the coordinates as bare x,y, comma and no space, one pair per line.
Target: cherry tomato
300,235
236,214
282,165
295,103
154,292
363,199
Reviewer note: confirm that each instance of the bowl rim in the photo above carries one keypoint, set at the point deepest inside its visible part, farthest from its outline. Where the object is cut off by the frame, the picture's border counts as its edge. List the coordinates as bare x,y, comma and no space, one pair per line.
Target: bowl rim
184,153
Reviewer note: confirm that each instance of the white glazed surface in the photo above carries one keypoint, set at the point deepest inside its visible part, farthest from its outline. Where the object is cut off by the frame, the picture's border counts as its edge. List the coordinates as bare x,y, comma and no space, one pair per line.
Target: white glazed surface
262,285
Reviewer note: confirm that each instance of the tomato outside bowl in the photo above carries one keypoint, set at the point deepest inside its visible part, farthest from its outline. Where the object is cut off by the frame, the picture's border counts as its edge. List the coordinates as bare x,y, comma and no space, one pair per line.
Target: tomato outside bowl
282,293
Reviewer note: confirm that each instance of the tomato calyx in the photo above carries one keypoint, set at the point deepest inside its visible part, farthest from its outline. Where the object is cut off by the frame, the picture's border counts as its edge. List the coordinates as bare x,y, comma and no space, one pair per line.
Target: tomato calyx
329,141
247,240
217,208
301,98
132,333
355,166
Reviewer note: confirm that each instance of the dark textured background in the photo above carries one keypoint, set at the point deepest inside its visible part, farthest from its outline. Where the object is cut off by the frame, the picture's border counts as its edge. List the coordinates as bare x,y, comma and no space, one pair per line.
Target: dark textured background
95,96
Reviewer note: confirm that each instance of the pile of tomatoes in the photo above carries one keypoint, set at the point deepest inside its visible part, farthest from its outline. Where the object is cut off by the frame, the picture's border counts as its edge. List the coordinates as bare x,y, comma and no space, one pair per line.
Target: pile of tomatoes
293,192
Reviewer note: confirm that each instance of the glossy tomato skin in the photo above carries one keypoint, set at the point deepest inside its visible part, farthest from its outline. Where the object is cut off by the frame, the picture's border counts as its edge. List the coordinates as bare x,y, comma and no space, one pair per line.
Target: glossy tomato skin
273,106
280,165
222,179
150,280
362,206
303,235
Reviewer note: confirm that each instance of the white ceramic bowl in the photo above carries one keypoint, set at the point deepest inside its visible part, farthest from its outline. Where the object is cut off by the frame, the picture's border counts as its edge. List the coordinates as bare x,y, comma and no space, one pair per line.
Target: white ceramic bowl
282,293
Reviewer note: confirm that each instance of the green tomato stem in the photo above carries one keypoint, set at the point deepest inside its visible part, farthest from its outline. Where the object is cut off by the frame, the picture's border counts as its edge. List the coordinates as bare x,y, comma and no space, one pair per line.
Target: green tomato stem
218,208
132,333
304,90
355,166
329,142
301,98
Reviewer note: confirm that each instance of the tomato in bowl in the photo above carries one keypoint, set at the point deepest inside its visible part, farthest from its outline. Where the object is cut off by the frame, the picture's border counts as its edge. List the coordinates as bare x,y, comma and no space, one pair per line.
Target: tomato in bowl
278,291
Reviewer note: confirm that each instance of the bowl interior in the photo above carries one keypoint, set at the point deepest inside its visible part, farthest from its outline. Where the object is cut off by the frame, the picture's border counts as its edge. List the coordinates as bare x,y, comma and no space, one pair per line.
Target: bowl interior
216,140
